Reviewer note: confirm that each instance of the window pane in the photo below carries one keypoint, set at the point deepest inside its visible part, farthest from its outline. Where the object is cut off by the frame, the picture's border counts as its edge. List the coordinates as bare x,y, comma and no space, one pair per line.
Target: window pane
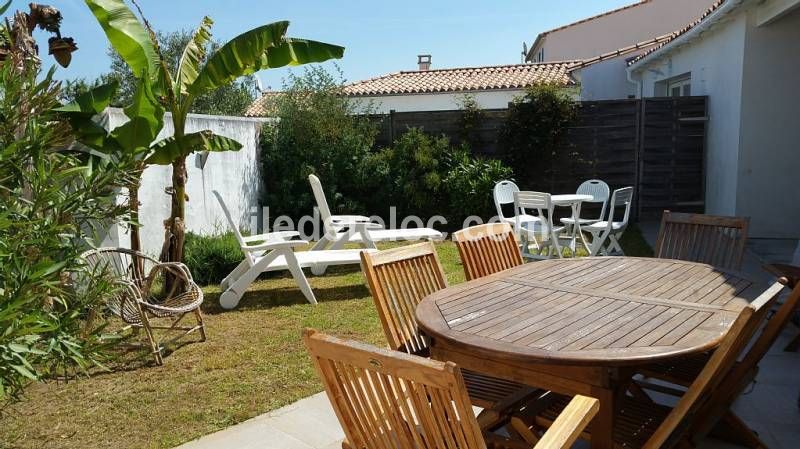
676,92
687,90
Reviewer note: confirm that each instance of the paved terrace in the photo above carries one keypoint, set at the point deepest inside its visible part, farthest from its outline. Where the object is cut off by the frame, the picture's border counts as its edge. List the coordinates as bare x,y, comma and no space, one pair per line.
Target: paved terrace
770,407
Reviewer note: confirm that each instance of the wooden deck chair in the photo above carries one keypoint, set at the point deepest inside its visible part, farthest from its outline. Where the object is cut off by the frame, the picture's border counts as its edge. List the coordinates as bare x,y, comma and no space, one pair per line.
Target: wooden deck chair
606,234
735,382
643,423
399,278
343,229
788,275
714,240
487,249
274,252
542,235
389,400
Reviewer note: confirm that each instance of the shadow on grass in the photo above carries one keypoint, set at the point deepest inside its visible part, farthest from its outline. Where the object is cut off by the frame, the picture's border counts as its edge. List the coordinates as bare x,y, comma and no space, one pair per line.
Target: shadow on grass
268,298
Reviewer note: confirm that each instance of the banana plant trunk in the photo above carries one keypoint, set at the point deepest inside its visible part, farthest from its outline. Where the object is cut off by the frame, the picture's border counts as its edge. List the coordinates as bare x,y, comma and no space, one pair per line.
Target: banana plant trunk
136,240
176,224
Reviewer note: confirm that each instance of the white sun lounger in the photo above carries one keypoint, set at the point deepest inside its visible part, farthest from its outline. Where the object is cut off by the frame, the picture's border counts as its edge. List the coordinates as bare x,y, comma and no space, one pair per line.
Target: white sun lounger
275,252
343,229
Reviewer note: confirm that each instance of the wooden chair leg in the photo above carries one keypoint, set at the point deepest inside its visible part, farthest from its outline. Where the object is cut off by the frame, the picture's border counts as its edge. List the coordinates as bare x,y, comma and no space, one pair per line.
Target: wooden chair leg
199,316
731,428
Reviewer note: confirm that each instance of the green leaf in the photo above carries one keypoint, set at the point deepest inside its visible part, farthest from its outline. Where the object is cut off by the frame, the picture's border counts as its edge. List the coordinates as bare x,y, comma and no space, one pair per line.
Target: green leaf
193,56
81,112
127,35
169,149
242,55
24,371
4,8
92,102
146,120
300,51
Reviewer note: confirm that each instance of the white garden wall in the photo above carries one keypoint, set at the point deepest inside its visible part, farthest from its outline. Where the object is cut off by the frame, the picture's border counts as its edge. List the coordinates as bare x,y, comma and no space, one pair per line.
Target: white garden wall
236,175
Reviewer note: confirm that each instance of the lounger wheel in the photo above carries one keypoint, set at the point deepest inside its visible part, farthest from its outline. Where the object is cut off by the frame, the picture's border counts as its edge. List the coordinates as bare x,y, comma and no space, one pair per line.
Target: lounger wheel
229,299
318,270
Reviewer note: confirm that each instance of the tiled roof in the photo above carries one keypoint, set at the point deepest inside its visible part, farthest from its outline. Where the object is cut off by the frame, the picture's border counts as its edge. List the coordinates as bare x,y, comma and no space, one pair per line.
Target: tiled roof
517,76
679,33
264,106
622,51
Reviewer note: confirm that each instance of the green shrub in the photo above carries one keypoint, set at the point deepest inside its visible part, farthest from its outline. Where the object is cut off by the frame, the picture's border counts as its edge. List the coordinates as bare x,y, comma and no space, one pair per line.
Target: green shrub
470,183
318,132
53,198
534,132
409,175
211,258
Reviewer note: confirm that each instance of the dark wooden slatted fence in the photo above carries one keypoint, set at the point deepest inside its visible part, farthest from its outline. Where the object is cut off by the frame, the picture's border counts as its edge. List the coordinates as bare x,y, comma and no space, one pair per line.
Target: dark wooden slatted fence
655,144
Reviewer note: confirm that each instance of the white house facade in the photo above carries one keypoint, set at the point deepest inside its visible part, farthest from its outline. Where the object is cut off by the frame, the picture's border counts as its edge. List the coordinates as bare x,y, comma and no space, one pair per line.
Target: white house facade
745,56
615,29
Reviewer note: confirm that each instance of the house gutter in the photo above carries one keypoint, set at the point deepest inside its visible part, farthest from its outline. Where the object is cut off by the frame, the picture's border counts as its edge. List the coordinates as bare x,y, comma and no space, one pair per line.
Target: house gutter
724,11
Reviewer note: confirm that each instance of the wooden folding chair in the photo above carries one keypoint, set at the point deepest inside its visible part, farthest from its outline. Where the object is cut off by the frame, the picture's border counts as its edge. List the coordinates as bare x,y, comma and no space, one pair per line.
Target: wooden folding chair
788,275
735,381
714,240
399,278
643,423
487,249
390,400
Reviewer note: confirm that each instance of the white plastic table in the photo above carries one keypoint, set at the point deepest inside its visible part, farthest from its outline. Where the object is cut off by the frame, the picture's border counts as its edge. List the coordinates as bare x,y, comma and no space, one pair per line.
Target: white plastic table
574,202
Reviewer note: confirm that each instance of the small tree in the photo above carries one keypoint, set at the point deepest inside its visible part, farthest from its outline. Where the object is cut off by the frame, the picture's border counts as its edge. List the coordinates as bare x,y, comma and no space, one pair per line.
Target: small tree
197,74
318,132
532,137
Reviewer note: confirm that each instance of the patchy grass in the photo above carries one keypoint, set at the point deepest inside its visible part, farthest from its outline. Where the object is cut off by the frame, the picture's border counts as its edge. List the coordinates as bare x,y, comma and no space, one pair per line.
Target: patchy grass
253,362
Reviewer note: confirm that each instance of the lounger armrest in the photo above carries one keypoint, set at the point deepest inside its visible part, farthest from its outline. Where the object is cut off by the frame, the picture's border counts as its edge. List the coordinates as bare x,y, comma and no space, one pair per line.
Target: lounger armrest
570,423
283,235
275,244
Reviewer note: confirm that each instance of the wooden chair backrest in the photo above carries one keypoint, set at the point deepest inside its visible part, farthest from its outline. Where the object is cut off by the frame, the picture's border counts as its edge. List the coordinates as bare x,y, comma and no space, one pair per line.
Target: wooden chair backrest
399,278
487,249
720,363
711,239
390,400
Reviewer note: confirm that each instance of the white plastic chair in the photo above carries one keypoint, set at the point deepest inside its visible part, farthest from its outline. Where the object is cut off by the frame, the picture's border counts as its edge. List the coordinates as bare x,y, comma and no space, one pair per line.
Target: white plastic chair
343,229
600,192
274,251
504,194
541,234
610,230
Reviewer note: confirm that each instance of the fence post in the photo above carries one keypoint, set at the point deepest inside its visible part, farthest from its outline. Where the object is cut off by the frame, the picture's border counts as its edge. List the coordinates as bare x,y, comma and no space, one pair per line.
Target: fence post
391,125
639,157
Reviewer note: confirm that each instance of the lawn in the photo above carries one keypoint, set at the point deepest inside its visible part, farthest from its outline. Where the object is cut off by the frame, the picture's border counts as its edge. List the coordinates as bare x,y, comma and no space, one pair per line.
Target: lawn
253,362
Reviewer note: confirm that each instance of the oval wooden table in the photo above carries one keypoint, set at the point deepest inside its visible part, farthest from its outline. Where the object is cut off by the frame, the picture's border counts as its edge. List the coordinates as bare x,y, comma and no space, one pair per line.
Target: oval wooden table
582,326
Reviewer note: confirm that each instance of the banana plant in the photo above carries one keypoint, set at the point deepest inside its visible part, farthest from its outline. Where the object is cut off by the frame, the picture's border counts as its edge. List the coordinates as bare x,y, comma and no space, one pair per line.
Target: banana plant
264,47
130,142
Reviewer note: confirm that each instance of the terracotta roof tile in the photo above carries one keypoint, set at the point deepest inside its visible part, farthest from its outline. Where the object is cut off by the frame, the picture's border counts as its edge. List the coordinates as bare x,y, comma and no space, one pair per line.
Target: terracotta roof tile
517,76
678,33
264,106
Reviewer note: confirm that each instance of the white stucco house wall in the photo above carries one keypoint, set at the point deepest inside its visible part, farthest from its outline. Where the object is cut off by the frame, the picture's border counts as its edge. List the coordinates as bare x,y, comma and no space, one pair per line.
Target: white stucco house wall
426,89
615,29
745,56
235,174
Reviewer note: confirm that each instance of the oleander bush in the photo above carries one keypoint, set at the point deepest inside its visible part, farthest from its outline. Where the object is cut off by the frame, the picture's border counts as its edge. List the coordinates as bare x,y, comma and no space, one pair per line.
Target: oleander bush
54,198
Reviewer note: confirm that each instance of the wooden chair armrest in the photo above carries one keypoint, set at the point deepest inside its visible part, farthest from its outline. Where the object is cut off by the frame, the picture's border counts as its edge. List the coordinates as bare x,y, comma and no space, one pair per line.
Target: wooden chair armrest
788,275
570,423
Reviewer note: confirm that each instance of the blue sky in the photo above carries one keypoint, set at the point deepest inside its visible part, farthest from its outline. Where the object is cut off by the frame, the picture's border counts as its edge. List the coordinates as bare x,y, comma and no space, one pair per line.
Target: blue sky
380,36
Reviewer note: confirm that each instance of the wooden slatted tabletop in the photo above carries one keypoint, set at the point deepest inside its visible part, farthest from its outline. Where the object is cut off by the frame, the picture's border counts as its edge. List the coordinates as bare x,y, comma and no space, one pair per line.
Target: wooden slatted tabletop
581,326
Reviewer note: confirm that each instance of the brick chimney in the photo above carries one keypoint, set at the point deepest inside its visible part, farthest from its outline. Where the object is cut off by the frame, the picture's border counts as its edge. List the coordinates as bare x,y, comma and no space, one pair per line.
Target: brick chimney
424,62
